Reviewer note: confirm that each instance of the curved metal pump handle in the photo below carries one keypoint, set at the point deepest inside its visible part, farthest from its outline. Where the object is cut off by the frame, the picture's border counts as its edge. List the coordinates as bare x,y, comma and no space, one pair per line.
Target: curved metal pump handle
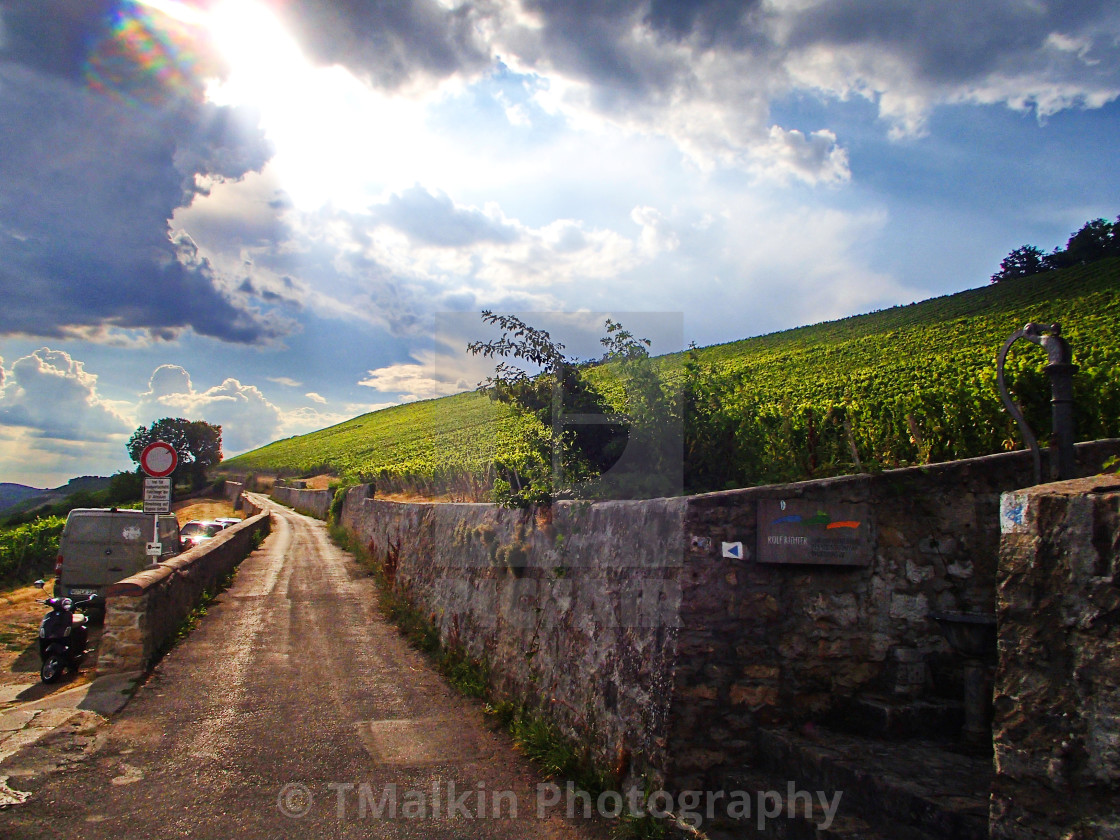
1057,352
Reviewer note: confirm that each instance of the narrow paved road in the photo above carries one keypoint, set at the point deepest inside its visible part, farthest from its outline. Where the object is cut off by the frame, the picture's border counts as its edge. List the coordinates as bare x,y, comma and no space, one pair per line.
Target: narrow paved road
295,711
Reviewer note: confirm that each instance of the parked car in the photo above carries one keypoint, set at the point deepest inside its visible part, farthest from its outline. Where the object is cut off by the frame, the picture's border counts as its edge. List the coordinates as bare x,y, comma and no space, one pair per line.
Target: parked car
198,531
100,546
227,521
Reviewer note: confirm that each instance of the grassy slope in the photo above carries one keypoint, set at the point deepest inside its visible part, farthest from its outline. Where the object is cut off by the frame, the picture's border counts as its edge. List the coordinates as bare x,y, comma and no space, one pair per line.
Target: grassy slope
464,430
938,349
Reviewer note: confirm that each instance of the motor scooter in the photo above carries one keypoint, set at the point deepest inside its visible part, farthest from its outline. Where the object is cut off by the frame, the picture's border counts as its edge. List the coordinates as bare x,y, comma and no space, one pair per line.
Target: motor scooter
63,634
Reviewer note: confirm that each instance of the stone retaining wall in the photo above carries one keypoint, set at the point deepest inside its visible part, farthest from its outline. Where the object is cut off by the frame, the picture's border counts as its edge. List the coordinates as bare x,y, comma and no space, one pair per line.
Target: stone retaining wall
779,645
574,608
143,611
627,622
315,503
1057,694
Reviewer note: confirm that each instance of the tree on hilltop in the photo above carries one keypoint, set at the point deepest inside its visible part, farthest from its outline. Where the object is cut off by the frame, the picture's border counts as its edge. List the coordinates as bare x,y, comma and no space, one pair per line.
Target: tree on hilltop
197,443
1095,240
1022,262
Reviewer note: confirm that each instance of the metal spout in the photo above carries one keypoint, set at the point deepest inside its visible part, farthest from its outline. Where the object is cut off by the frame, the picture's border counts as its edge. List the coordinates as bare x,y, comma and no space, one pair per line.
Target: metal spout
1060,370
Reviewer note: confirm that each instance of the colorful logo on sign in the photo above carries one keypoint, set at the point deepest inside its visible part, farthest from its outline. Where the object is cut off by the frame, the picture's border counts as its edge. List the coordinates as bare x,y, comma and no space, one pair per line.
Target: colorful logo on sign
820,519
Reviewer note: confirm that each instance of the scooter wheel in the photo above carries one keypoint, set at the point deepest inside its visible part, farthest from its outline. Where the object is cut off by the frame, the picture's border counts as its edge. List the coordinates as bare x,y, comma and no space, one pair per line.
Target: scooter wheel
51,669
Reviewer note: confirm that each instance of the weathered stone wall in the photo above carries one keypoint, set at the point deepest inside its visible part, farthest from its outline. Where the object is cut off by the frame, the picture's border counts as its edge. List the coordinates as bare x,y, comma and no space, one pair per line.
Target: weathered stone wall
629,624
1057,696
232,490
144,610
315,503
574,608
776,645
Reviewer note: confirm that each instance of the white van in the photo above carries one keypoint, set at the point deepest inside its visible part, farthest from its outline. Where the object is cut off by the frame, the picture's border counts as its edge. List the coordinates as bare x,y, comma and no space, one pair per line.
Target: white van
100,546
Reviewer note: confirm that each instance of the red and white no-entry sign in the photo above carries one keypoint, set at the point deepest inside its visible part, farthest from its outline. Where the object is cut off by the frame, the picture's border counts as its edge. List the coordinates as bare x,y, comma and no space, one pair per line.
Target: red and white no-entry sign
159,459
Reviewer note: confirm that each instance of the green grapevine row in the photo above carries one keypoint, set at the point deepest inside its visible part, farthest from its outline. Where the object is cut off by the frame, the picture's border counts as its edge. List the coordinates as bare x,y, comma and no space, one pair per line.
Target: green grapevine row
907,385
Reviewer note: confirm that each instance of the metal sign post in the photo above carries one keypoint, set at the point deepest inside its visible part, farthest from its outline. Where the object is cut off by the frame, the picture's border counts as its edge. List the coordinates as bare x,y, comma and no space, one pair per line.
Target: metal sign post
158,460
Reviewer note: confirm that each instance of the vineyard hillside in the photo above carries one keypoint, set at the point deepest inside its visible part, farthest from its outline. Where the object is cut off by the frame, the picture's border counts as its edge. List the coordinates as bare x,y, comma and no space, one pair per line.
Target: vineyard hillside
910,384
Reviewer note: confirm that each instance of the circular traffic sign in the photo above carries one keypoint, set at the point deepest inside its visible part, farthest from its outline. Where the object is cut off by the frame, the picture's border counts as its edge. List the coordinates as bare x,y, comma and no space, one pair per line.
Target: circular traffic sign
159,459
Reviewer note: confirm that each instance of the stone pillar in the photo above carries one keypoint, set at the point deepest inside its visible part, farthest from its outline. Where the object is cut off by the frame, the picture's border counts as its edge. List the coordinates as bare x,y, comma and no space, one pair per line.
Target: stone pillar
124,646
1057,695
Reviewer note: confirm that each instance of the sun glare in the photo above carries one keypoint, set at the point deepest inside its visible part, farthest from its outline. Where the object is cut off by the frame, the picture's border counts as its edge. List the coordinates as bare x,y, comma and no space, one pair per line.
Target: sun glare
181,12
337,140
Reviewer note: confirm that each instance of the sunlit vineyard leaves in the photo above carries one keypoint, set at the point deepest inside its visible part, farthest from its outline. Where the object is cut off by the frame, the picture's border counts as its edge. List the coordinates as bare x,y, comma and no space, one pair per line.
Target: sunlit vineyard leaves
907,385
30,548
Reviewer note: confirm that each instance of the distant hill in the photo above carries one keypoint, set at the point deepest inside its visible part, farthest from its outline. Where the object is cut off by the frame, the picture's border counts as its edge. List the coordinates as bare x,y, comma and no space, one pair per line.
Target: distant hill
21,498
909,384
11,494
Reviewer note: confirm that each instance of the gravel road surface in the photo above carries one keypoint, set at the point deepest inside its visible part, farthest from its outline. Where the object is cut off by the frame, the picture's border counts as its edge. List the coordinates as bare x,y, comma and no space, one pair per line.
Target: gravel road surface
292,711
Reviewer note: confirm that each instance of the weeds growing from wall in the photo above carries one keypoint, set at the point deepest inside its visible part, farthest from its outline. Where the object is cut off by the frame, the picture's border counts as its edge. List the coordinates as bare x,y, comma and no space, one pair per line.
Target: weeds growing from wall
536,737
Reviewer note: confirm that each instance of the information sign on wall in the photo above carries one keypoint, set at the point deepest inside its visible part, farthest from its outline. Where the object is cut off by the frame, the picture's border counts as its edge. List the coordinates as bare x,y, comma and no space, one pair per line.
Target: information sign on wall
823,533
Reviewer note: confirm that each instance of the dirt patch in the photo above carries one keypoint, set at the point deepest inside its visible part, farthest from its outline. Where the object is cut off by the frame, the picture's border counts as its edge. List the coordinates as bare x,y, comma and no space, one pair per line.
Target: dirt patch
203,509
20,614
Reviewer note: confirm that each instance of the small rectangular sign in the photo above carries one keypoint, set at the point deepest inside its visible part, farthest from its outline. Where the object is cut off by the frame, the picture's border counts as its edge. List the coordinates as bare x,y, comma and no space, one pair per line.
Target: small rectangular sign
157,495
822,533
154,549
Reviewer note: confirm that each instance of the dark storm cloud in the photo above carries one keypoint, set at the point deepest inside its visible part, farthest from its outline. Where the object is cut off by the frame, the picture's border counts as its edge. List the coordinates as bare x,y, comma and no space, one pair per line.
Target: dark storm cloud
593,39
950,47
435,220
960,41
53,36
709,20
89,186
390,42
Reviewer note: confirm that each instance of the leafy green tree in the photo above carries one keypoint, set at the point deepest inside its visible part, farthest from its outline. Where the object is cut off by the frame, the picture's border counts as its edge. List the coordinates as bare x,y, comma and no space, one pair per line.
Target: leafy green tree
564,454
1022,262
653,462
1096,239
125,487
197,443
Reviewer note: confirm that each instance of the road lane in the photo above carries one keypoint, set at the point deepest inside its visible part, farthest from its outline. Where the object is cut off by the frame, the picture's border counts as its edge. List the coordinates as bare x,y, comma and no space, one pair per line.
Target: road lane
294,695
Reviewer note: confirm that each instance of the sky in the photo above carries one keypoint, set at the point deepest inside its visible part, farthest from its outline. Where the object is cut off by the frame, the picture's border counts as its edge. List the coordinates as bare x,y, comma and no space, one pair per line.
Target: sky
279,214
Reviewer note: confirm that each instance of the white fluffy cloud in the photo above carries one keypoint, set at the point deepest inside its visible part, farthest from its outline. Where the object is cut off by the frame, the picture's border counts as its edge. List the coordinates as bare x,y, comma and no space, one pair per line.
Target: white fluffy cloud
421,380
54,396
247,418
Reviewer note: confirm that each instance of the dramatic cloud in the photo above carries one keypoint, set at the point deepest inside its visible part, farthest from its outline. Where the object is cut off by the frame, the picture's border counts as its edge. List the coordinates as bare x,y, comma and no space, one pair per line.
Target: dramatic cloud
93,172
393,44
434,220
420,380
704,73
246,416
53,396
410,255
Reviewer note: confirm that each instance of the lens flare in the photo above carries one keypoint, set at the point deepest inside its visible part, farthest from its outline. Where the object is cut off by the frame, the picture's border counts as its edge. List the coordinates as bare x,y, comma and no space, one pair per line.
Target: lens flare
152,53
